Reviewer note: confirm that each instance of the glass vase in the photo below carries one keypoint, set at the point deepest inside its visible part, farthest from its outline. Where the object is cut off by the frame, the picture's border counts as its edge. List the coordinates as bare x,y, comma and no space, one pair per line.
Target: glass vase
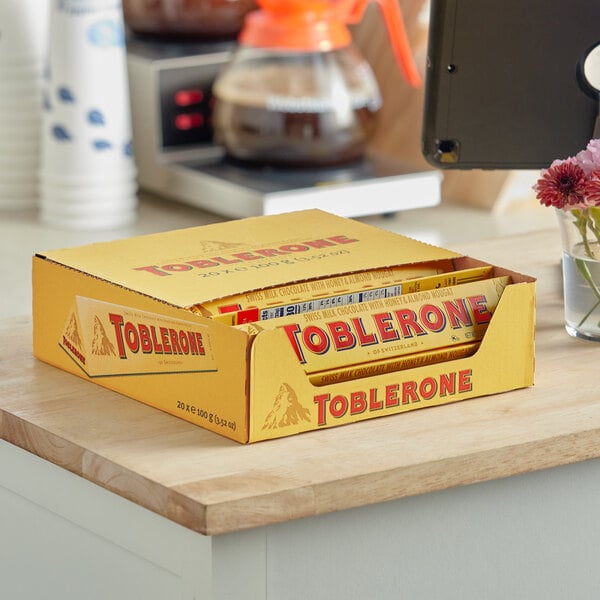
580,235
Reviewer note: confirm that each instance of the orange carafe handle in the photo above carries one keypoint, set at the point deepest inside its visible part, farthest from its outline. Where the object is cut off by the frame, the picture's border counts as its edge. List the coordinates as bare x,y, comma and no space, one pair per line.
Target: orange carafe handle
392,16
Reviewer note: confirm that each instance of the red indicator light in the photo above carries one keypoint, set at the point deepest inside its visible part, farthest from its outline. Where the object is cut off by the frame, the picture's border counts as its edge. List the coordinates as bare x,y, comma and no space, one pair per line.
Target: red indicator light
189,121
185,98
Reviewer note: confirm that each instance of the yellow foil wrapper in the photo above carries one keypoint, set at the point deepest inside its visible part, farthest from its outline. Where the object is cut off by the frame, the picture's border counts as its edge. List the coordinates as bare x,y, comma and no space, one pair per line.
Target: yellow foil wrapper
384,329
270,300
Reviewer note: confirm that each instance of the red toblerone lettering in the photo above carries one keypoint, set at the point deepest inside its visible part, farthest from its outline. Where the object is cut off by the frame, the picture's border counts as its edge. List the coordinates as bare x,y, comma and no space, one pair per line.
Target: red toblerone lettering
240,257
133,337
385,327
453,383
342,336
478,305
364,338
67,344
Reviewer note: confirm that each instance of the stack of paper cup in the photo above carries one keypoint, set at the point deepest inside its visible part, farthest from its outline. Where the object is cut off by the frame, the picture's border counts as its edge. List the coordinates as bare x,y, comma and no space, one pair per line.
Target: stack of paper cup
23,43
87,174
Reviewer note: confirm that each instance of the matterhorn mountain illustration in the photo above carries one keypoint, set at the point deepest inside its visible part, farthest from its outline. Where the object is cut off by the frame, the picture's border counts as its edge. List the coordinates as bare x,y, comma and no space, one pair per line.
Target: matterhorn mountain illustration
101,345
72,332
286,410
208,247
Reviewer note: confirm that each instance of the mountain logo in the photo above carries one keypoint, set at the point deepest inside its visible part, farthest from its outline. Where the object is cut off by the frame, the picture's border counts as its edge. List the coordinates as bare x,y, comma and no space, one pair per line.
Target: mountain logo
72,331
209,247
254,328
287,409
101,345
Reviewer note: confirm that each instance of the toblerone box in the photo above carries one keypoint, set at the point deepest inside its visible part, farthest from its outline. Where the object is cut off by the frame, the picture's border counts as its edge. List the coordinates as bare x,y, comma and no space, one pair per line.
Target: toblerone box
122,314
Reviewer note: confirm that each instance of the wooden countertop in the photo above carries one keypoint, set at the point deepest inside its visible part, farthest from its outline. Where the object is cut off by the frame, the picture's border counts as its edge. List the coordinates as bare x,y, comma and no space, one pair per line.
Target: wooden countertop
212,485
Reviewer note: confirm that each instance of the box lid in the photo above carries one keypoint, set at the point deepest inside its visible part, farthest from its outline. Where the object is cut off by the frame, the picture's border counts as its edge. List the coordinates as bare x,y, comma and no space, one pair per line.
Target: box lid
189,266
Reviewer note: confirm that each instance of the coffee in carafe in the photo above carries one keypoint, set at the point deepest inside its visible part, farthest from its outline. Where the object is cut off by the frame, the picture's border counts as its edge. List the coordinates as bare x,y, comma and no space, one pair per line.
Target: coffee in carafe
297,92
303,109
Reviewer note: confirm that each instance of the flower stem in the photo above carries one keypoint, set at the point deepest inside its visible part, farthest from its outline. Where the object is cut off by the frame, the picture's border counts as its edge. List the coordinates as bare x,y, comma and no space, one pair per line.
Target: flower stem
581,222
585,273
594,221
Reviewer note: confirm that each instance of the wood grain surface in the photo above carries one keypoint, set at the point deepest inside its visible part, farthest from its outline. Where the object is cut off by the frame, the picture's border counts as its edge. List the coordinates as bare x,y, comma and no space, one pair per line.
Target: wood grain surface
212,485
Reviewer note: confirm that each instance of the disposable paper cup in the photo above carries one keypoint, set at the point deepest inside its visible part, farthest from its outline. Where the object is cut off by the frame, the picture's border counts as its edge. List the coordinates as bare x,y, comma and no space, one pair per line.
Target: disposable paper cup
23,105
90,221
19,177
14,131
87,196
25,145
13,203
88,208
19,123
85,207
29,119
23,30
105,222
87,61
14,95
20,81
20,133
74,147
26,164
21,89
16,196
20,62
69,155
19,158
87,171
19,187
19,182
89,178
31,68
95,30
86,130
29,104
19,147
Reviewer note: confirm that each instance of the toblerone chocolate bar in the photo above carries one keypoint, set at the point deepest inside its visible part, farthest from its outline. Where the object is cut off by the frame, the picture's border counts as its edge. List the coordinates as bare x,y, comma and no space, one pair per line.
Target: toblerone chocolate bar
340,291
319,288
420,322
388,365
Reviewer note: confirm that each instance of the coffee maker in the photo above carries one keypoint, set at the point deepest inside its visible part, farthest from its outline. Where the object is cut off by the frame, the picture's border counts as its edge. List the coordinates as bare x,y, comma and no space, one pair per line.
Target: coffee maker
171,83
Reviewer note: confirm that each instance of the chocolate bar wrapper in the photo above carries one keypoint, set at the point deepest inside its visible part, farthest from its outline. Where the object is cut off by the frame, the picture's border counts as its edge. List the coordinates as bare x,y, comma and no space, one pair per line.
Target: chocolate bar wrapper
388,365
395,327
305,291
363,294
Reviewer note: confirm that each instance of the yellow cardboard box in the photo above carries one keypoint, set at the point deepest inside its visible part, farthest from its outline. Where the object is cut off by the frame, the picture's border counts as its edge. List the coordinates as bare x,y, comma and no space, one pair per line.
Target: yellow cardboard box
120,314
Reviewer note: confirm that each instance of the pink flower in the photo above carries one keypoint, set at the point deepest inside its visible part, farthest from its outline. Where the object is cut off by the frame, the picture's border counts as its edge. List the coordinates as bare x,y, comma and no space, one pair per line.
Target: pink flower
562,185
589,159
592,189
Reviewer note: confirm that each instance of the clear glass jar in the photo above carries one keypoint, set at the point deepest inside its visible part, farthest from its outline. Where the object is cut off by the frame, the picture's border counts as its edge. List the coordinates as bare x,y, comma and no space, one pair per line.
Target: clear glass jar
580,236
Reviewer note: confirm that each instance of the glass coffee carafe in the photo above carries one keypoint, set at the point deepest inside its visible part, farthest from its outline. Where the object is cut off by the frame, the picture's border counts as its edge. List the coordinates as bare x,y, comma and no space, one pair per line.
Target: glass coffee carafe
297,92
